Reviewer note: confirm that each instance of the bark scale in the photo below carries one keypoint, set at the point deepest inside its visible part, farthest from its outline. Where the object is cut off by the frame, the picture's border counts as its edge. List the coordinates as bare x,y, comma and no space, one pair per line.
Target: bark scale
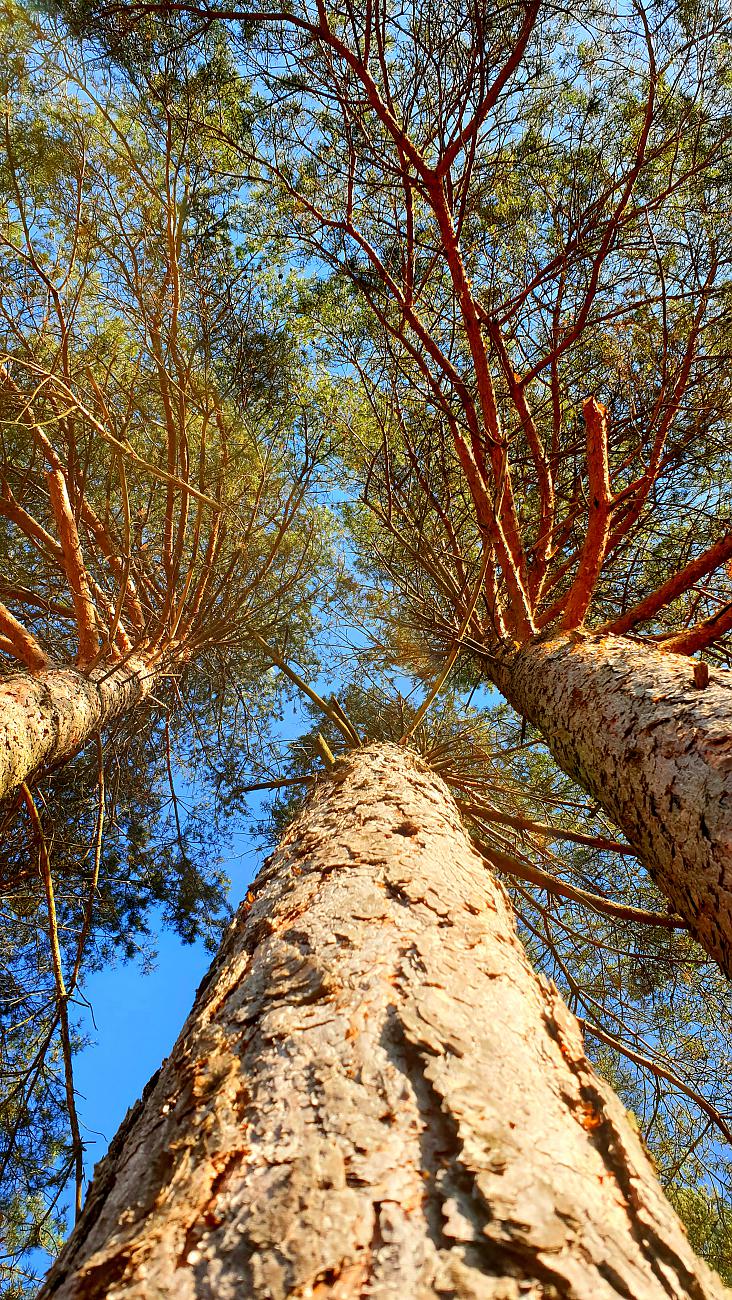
630,724
46,717
374,1095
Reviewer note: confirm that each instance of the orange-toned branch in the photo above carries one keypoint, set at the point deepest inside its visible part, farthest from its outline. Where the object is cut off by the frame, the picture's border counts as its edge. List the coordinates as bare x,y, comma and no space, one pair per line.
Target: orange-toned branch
540,551
507,532
635,495
84,610
116,639
76,405
703,634
20,642
120,568
682,581
598,522
491,97
34,531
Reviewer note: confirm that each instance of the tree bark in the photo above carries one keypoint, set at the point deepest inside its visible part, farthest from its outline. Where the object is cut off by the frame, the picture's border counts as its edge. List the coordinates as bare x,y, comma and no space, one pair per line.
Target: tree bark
46,717
631,725
374,1095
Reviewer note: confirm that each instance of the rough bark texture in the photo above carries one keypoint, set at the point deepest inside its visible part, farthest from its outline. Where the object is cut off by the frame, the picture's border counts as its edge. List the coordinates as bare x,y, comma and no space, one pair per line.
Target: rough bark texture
45,717
630,724
374,1095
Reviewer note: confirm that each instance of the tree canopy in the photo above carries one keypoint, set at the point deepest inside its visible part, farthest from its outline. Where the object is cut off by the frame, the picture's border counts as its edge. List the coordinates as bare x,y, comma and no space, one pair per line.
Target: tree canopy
159,446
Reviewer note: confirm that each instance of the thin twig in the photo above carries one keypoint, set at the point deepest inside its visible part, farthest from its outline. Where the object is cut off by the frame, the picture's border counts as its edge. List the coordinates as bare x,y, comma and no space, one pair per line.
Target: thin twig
661,1071
535,876
62,995
541,828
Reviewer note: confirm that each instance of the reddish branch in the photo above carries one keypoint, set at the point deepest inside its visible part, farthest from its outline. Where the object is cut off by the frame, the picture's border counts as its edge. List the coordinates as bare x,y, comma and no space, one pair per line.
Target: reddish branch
703,634
594,548
541,547
27,524
635,495
676,585
490,99
110,549
84,610
20,642
544,830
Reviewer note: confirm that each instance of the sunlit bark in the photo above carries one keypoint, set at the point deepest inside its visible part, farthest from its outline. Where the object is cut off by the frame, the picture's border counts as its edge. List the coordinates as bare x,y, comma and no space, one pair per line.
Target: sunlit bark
653,744
46,717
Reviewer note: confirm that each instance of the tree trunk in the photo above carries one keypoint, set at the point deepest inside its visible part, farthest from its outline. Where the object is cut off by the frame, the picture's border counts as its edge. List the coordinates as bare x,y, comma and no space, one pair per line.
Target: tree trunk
374,1095
46,717
654,748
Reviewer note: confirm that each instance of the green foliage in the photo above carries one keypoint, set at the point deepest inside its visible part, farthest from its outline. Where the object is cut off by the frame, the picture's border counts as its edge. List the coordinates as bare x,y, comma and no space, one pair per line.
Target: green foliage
708,1225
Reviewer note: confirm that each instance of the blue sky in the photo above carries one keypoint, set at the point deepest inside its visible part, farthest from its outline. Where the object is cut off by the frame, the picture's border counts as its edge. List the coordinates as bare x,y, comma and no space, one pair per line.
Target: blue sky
136,1016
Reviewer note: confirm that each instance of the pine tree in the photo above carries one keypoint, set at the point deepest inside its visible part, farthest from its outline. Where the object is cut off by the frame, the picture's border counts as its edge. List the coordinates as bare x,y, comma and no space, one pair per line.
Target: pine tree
375,1094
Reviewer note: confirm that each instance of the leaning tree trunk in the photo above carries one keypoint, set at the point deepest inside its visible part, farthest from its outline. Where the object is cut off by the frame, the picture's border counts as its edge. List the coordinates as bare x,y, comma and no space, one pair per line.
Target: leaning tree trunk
46,717
374,1095
632,725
